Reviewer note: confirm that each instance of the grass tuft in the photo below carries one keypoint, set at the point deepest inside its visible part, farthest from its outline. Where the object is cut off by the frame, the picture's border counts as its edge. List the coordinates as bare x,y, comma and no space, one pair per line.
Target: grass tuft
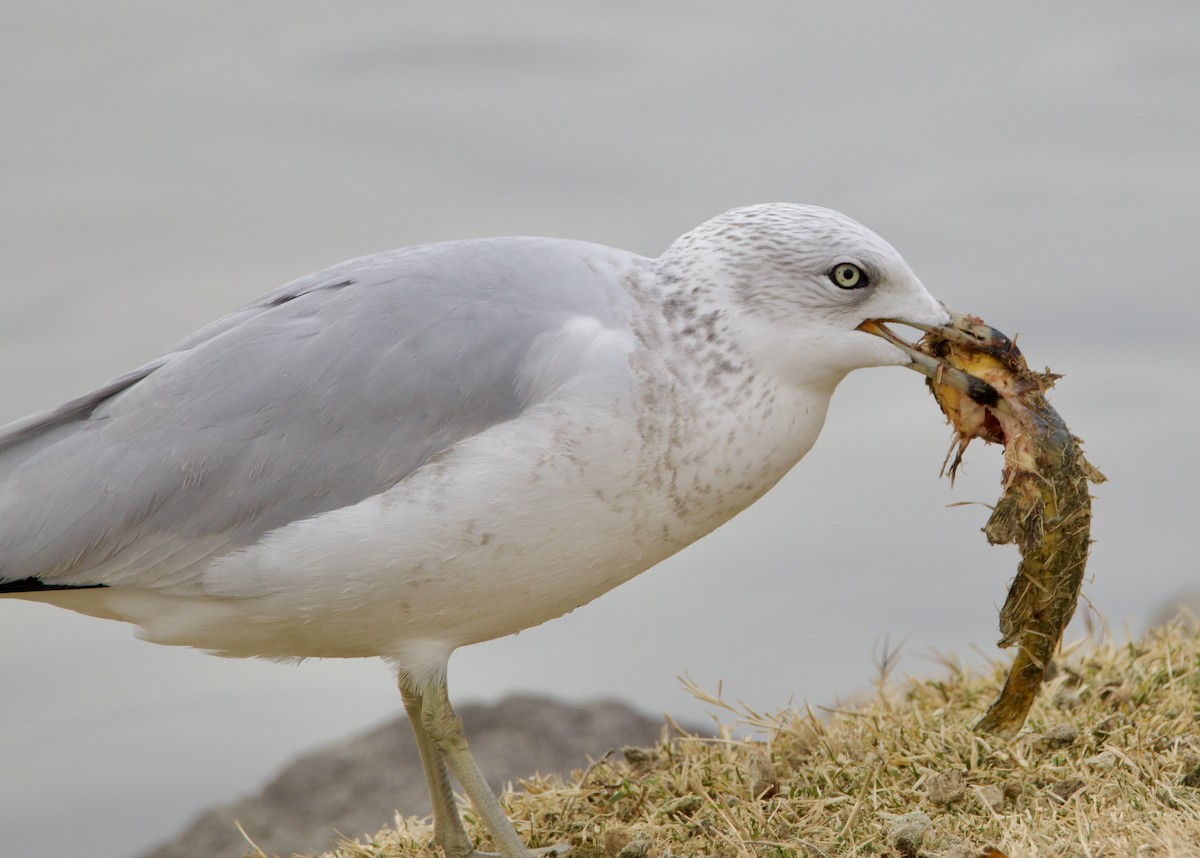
1107,765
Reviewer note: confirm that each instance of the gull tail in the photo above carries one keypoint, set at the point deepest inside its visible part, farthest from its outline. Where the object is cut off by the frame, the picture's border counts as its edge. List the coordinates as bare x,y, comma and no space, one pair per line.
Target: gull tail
37,585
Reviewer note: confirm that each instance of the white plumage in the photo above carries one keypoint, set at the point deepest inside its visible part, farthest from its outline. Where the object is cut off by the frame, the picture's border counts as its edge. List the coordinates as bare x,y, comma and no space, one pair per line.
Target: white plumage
440,445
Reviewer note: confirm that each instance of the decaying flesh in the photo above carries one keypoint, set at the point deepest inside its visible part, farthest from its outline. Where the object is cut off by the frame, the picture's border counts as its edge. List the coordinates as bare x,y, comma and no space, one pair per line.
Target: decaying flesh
1045,508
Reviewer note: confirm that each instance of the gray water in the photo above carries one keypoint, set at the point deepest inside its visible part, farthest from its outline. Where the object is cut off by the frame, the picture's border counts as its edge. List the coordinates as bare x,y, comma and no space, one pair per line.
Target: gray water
164,163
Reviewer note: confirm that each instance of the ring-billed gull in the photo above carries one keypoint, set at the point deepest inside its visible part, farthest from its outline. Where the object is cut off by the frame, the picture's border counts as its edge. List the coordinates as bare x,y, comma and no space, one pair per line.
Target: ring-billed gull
444,444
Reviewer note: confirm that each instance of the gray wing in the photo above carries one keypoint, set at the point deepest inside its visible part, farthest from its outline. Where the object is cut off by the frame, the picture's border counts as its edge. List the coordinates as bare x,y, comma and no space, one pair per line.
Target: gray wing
322,393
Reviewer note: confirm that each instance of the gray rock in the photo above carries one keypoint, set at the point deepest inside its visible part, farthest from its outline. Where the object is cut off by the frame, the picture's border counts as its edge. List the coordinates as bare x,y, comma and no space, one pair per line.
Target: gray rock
356,787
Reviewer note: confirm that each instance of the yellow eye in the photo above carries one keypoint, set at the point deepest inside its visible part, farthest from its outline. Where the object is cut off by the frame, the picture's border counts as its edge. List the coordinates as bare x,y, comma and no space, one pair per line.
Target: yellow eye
847,275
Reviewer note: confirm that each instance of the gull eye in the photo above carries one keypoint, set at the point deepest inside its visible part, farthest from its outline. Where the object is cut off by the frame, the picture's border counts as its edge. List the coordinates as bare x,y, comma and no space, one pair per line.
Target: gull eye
847,275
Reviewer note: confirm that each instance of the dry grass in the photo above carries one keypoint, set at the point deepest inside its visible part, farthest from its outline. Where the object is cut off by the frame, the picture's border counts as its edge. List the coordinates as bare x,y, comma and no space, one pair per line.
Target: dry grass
1108,765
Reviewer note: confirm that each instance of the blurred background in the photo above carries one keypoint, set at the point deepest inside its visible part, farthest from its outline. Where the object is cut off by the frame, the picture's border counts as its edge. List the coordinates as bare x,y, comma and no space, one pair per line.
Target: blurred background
163,164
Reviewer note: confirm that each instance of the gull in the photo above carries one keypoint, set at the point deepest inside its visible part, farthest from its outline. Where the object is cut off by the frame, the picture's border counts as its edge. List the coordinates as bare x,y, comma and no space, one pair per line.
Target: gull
444,444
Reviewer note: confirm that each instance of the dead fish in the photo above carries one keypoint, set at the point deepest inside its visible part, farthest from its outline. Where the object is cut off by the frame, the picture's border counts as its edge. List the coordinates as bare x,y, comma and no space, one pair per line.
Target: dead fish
1045,509
986,390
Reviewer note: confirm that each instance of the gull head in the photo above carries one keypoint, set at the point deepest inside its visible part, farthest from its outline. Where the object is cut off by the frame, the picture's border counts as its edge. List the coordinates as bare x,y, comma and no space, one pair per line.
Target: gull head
797,290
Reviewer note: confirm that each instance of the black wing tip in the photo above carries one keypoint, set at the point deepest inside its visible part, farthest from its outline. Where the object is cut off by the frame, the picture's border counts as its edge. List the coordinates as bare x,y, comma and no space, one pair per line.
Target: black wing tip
37,585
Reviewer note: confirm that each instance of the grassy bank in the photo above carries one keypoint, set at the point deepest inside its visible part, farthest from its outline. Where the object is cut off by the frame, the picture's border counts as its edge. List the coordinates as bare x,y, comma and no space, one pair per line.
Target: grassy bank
1108,765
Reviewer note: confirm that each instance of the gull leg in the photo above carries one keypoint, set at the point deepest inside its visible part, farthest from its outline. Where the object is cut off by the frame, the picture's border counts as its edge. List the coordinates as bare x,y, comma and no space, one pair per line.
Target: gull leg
446,732
447,825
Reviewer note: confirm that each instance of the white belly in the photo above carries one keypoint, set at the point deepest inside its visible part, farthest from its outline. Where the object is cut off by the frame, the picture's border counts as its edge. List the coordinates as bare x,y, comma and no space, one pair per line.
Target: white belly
505,531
